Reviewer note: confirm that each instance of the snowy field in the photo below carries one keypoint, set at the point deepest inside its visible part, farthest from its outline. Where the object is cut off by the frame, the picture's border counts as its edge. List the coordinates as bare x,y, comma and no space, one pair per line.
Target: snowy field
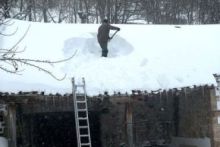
141,57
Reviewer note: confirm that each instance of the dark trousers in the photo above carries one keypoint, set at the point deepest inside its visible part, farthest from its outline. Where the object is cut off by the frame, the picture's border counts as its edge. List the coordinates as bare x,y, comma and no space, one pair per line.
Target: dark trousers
104,47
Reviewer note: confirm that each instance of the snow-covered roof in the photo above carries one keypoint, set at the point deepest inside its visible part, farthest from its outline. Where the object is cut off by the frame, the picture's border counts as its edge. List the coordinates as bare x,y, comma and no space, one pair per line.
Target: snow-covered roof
141,57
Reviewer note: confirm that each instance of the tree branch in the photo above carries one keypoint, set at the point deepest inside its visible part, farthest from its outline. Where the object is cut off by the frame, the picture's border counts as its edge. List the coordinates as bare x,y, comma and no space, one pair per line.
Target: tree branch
42,69
11,64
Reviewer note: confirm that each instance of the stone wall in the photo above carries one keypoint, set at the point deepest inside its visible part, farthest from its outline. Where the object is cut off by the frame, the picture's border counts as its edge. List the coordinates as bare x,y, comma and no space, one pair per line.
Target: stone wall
195,113
216,130
112,118
157,117
143,118
215,104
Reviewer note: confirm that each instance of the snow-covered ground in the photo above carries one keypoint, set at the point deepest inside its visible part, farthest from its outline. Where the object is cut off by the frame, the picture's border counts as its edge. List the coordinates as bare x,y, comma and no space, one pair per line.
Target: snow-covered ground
199,142
143,57
3,142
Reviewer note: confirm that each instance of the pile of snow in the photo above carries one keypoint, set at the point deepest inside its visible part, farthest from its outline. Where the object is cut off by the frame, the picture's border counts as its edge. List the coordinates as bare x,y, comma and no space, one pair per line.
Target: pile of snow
143,57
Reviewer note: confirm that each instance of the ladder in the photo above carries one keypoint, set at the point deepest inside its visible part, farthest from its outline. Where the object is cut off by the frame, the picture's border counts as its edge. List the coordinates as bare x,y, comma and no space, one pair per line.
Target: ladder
81,114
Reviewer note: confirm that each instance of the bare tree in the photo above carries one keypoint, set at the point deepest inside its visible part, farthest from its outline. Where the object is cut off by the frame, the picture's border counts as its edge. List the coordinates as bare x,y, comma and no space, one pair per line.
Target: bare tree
9,62
117,11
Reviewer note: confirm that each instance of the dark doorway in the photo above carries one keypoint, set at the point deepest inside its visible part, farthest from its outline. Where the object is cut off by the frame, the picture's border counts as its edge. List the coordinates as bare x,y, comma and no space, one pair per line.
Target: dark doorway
53,129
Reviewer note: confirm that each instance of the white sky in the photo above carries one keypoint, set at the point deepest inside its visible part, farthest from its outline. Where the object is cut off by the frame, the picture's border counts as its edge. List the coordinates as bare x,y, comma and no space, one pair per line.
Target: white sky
141,57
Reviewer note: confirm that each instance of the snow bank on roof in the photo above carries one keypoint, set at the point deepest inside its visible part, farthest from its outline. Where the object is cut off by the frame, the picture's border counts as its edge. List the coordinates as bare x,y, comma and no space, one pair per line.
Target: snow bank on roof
143,57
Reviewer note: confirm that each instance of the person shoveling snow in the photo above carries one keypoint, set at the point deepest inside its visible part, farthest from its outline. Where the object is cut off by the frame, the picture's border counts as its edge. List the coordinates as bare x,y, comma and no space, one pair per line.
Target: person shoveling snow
103,36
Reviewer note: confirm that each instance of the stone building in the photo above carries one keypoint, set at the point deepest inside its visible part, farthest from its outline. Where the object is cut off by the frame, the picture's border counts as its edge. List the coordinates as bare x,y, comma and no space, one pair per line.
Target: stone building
186,117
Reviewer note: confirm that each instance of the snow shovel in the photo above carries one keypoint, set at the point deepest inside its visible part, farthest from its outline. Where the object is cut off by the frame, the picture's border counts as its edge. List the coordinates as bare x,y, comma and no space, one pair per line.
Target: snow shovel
113,35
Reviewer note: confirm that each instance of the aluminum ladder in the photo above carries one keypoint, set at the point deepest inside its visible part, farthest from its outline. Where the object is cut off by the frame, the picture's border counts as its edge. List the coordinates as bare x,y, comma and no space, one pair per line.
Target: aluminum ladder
81,114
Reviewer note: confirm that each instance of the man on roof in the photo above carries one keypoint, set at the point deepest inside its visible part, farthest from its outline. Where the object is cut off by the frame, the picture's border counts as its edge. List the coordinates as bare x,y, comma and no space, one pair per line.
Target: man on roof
103,36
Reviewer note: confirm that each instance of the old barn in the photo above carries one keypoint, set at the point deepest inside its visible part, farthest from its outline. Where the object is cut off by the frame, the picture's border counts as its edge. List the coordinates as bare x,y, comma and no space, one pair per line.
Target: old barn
156,88
186,117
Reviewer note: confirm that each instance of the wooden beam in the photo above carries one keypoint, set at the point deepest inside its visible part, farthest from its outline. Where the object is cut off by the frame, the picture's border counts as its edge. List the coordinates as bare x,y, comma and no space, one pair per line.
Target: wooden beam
12,125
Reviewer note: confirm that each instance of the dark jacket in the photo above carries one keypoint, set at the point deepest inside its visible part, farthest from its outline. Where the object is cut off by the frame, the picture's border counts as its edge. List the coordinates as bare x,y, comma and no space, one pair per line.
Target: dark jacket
103,32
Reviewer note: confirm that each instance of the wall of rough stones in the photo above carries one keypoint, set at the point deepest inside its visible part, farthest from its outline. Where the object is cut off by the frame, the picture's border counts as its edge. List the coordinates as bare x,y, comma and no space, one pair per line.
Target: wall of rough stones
143,118
158,117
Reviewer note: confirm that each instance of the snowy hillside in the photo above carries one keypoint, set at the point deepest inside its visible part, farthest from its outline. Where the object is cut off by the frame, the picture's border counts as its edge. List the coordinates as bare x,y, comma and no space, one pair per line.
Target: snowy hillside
143,57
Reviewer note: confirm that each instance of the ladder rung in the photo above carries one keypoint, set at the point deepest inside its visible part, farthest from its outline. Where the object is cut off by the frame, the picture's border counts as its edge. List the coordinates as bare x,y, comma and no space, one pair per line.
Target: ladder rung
81,101
85,143
82,118
80,85
80,94
84,135
81,110
83,127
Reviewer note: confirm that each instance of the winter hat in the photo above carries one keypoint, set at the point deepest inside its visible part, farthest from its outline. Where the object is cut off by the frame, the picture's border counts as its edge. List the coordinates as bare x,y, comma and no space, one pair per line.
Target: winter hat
105,20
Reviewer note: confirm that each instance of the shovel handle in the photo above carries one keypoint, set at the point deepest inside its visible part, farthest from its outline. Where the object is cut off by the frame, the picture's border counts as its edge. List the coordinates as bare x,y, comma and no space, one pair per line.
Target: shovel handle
114,34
